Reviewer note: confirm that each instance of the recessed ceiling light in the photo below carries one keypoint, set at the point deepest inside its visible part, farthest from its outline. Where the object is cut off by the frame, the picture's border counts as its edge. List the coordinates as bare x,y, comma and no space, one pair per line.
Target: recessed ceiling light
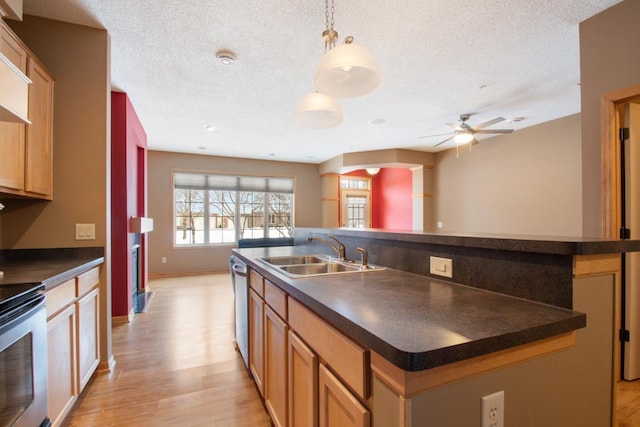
202,147
515,120
376,121
210,128
226,57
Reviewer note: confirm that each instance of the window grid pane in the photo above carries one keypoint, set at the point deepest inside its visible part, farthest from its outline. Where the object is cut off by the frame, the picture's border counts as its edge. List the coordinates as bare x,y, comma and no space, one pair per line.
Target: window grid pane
189,217
220,211
222,214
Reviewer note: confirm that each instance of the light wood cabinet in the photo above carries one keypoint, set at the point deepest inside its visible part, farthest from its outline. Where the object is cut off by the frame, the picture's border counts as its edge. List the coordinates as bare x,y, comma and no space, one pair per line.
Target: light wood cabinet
73,340
61,357
38,159
26,152
303,384
337,406
275,356
88,336
308,373
256,339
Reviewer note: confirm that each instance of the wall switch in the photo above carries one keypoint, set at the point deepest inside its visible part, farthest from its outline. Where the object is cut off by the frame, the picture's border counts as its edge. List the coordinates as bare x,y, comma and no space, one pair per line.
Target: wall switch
164,259
441,266
493,410
85,231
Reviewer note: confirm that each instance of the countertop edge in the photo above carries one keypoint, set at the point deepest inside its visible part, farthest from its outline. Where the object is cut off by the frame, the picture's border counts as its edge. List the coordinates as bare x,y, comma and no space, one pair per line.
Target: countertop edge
52,282
422,360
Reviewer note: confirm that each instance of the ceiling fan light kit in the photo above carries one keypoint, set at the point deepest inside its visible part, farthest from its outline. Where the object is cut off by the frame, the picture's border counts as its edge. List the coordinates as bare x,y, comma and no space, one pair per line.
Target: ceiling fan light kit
463,137
345,71
464,134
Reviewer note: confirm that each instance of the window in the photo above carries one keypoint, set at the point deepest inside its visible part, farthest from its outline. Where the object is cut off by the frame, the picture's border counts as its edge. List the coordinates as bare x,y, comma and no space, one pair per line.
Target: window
355,201
221,209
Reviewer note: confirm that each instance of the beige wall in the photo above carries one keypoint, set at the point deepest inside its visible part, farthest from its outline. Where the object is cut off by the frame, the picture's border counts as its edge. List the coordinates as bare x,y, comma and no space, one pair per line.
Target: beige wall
527,182
78,57
609,61
188,260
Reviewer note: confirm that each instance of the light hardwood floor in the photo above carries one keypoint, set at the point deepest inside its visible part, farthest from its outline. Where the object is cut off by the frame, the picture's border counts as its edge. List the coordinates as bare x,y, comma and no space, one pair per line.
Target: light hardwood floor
628,404
175,364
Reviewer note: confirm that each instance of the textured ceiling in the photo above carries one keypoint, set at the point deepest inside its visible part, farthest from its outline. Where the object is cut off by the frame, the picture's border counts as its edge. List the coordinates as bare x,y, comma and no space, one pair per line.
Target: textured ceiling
439,58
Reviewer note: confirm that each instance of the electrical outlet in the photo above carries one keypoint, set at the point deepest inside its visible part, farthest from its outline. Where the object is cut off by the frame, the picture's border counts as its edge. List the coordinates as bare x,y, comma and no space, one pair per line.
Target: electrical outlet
164,259
441,266
493,410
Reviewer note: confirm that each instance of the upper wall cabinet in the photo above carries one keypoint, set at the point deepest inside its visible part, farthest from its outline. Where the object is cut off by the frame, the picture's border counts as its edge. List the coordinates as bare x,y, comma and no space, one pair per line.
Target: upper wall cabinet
14,84
26,150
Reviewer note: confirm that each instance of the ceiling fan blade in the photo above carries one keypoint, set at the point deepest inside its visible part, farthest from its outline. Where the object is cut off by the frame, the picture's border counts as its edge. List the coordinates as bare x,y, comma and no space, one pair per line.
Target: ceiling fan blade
494,131
453,126
489,123
442,142
437,134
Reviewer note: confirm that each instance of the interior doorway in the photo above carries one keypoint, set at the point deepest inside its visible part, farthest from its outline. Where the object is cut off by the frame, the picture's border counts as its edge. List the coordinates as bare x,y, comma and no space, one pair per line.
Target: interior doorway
630,222
621,215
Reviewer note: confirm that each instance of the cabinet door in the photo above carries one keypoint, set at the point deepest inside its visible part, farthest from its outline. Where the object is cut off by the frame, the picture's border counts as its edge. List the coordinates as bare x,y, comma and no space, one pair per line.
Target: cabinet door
11,48
12,155
88,316
256,339
275,357
61,357
39,134
12,134
337,406
303,384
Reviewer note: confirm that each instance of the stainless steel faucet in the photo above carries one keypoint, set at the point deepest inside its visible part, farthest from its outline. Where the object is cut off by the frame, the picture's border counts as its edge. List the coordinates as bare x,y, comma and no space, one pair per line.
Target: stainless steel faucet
365,257
338,248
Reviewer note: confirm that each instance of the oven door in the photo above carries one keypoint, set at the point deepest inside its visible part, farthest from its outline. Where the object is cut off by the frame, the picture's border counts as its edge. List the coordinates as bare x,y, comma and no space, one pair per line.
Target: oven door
23,366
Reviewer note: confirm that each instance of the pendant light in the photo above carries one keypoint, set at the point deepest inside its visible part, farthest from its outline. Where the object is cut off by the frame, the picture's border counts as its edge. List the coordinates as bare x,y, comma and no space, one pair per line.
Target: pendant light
318,111
345,71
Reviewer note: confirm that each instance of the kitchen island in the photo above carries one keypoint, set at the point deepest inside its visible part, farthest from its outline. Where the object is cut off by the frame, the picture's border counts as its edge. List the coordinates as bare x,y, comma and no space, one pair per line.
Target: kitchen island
433,347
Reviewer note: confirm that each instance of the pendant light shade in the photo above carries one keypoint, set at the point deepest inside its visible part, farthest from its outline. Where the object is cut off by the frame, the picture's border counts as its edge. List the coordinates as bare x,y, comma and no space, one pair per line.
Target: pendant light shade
347,71
318,111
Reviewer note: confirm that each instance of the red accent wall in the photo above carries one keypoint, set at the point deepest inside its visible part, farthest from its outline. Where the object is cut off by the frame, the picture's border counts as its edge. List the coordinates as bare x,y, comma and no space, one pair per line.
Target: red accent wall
128,198
392,199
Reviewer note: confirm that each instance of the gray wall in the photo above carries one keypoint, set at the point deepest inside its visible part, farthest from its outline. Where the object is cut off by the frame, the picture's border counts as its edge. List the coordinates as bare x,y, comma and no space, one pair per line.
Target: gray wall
189,260
527,182
609,61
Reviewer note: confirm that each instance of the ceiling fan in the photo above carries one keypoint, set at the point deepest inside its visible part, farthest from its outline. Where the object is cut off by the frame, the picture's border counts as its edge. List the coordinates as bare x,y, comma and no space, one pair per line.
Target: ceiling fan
463,133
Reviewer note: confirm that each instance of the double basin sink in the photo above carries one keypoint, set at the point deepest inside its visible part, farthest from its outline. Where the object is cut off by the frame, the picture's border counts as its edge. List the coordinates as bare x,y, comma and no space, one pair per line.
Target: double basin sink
316,265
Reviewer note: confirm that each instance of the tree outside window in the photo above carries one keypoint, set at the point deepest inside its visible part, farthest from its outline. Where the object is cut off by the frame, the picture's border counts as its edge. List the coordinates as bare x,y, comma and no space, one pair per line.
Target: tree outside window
210,216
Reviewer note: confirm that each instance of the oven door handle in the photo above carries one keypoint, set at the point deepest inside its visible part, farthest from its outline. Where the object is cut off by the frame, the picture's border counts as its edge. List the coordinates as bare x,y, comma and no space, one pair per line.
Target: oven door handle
22,312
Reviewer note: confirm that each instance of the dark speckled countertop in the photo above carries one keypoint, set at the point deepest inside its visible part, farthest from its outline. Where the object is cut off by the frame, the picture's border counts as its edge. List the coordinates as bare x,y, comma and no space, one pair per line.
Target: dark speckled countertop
51,267
414,321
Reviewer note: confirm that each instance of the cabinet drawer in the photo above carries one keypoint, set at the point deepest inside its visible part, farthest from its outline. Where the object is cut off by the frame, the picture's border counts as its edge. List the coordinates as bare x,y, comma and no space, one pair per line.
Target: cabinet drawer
276,298
346,358
60,296
87,281
256,282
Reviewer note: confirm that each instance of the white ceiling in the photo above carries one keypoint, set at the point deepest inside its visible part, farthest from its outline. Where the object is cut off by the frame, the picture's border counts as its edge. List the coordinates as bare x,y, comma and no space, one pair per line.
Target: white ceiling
439,58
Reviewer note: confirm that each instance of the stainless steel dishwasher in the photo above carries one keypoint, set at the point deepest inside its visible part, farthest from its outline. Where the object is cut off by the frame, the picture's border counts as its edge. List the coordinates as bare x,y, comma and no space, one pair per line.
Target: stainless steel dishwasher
241,304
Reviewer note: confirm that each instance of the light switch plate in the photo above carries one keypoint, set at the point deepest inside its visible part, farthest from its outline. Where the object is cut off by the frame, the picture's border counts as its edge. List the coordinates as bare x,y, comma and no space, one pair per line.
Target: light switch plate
85,231
441,266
